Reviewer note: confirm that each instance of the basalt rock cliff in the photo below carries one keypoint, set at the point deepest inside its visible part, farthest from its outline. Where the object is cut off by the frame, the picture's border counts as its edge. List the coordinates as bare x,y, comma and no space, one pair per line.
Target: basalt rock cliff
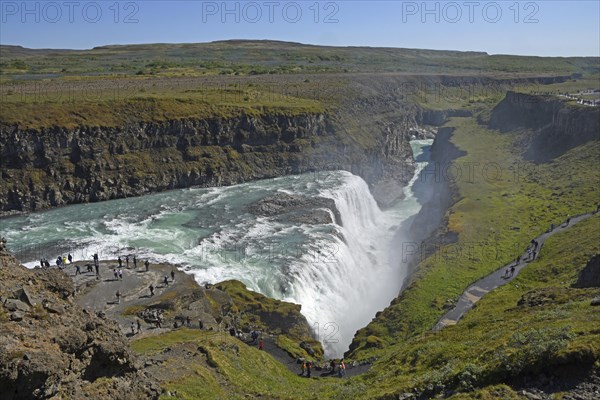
56,166
552,126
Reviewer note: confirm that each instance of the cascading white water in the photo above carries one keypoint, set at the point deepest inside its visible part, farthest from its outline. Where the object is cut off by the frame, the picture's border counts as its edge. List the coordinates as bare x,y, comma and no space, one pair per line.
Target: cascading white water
351,279
341,275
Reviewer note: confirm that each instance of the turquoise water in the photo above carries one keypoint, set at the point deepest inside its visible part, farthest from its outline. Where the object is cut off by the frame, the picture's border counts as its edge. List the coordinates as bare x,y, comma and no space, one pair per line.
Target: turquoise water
341,275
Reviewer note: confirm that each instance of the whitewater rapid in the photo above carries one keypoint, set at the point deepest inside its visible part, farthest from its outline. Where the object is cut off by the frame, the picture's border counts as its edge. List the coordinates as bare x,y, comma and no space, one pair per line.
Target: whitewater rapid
340,274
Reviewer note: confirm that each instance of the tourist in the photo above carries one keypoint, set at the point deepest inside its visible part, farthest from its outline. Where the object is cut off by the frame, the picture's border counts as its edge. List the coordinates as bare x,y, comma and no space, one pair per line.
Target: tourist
132,328
77,270
151,290
116,274
118,294
342,370
134,261
568,221
302,368
512,271
58,261
70,258
173,275
97,271
147,264
120,274
506,273
120,262
534,254
127,261
261,345
200,324
166,280
308,368
139,326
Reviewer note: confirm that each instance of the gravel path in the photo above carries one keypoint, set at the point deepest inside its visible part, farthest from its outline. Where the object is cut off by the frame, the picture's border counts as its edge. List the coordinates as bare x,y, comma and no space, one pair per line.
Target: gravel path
497,278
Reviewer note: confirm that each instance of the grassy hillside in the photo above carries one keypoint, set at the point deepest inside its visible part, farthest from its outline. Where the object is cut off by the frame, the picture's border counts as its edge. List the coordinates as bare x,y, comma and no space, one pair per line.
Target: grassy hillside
507,202
244,57
536,324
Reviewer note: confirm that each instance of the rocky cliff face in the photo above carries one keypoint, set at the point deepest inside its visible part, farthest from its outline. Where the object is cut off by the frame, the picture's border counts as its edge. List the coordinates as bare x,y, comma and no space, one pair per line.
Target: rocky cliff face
55,167
554,126
52,349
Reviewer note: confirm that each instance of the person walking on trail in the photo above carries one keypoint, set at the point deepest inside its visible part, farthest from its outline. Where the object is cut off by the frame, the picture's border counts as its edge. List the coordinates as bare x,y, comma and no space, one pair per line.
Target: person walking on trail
188,321
120,262
134,261
166,280
118,294
506,273
127,261
132,328
139,326
261,345
146,264
97,271
70,258
308,369
77,270
116,274
120,274
302,368
568,221
342,370
172,275
512,271
534,255
151,290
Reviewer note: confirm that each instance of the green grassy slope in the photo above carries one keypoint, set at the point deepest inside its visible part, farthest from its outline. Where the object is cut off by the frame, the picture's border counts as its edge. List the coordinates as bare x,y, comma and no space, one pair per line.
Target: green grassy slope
505,201
271,57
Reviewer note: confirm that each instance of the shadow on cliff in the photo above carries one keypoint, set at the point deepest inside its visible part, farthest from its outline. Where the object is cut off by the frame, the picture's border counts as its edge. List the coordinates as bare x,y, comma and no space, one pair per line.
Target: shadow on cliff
549,127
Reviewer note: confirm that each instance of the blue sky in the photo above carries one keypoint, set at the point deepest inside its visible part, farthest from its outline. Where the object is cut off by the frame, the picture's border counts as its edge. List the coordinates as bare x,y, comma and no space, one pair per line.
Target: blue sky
546,28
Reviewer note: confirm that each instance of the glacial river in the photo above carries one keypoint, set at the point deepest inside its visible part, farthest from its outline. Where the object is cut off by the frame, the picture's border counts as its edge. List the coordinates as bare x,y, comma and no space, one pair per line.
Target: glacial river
341,275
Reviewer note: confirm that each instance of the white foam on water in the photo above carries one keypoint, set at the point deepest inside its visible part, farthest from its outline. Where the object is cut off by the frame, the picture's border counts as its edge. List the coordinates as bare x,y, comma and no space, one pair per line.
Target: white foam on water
341,275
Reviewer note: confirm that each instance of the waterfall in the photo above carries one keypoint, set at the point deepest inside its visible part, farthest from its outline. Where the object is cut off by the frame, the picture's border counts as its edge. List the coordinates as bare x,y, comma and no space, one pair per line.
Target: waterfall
340,273
349,277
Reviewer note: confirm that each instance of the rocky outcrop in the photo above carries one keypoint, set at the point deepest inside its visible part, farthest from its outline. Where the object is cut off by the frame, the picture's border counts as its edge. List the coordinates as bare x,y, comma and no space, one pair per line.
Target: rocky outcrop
590,275
52,349
296,208
552,126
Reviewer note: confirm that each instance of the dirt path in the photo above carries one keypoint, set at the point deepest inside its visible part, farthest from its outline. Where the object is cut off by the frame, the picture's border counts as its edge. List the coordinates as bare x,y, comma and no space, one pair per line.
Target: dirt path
497,278
99,294
283,357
